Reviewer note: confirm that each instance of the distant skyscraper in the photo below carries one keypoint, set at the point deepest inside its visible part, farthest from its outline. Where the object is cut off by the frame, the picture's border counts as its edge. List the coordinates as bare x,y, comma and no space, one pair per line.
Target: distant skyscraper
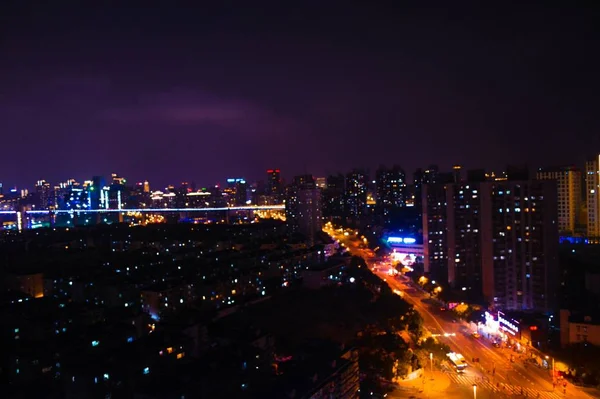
237,191
457,173
241,192
303,207
568,180
97,193
391,187
592,188
333,197
44,194
429,176
391,191
274,186
356,194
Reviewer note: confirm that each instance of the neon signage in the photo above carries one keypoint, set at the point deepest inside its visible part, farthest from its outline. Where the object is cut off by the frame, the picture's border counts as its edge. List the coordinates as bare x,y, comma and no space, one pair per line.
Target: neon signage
510,326
401,240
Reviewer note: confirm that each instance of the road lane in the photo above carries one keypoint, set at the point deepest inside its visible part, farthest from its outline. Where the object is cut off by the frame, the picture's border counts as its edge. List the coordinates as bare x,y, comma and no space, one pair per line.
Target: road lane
513,374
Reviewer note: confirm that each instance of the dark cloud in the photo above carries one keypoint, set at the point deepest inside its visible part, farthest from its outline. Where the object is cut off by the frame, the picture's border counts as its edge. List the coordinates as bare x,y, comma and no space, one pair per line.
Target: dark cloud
173,94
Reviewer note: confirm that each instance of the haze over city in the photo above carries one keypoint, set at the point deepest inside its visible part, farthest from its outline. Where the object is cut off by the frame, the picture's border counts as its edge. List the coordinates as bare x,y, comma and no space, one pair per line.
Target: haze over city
175,94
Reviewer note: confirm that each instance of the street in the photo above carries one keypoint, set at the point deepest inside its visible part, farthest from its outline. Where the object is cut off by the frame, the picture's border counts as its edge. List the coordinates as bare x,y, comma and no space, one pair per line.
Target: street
494,374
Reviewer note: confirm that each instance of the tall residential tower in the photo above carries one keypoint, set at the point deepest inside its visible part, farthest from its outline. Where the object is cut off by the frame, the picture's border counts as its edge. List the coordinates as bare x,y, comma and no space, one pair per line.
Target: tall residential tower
568,181
592,189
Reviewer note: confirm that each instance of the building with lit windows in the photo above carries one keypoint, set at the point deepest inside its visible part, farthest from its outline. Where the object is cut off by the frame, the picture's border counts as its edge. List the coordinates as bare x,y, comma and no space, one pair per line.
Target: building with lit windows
274,185
44,194
356,194
469,251
303,207
237,192
524,238
321,182
592,189
391,189
501,241
568,180
431,175
577,328
333,197
435,234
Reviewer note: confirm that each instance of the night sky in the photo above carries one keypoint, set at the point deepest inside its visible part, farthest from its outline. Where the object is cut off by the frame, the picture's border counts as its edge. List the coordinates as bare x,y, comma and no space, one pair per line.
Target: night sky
201,94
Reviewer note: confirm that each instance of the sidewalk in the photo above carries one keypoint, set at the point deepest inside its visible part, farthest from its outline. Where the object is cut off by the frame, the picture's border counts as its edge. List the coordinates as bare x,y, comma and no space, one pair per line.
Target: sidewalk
437,382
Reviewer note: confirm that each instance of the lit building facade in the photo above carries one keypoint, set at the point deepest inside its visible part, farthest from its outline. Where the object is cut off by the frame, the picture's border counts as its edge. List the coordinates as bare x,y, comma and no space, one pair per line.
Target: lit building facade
274,185
524,228
579,328
333,197
592,189
469,249
303,207
568,180
501,241
391,189
435,232
356,194
44,194
237,192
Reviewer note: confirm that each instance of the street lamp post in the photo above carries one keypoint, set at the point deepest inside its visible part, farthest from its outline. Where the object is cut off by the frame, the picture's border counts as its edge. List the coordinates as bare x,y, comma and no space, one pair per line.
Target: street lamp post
553,373
431,362
474,391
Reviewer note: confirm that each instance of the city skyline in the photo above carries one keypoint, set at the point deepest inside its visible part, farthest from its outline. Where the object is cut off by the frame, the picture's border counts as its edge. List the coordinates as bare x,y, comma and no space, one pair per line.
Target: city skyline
169,92
287,178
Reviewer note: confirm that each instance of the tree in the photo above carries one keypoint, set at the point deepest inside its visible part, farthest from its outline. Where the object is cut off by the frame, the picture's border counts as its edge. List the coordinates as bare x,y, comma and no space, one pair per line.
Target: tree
415,323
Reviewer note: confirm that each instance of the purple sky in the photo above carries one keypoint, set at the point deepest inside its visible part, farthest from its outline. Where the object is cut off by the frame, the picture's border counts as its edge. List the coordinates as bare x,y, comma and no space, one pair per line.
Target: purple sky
209,93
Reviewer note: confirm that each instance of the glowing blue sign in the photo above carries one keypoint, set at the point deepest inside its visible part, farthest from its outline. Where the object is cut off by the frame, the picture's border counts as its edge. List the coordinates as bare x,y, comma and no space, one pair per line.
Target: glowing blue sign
401,240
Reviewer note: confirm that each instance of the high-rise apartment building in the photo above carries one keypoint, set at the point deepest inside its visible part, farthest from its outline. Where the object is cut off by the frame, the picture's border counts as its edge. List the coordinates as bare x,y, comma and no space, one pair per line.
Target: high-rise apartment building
356,194
333,197
435,232
524,233
303,207
568,181
391,193
431,175
496,241
468,208
274,186
391,187
592,189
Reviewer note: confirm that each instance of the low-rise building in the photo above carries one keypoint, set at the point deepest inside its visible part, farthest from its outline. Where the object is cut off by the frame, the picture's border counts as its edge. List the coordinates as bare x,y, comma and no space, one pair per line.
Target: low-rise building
577,328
